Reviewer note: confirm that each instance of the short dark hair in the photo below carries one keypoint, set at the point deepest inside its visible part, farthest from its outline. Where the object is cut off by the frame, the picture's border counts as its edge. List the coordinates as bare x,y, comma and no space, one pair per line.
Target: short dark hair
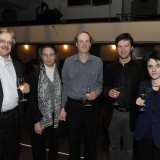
152,55
76,37
124,36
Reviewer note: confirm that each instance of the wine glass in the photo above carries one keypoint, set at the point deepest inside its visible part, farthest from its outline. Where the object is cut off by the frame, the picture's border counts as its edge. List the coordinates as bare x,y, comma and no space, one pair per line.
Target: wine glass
117,88
142,95
21,83
86,101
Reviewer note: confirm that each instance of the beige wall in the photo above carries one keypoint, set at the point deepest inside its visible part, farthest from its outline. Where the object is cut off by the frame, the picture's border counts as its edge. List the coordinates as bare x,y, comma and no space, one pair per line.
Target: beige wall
26,55
107,53
63,54
142,32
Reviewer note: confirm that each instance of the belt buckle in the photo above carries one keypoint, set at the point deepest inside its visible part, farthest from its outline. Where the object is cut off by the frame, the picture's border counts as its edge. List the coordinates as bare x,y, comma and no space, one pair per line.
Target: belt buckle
86,102
124,110
115,104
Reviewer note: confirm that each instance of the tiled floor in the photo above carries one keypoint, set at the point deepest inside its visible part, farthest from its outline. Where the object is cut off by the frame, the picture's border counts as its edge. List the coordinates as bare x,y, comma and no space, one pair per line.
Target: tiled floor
26,153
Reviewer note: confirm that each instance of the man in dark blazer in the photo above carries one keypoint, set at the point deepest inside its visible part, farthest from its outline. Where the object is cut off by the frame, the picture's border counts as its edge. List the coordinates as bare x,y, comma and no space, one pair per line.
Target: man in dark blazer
10,118
121,80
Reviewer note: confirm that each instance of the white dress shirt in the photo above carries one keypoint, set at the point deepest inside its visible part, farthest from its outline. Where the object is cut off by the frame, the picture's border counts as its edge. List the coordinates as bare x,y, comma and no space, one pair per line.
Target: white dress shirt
9,84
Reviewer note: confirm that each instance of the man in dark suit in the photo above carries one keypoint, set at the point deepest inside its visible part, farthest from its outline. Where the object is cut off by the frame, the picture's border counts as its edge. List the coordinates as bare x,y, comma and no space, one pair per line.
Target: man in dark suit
121,80
10,70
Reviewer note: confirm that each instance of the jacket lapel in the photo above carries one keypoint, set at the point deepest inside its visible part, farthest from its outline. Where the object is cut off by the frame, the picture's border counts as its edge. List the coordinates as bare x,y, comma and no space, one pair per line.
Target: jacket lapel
1,95
17,69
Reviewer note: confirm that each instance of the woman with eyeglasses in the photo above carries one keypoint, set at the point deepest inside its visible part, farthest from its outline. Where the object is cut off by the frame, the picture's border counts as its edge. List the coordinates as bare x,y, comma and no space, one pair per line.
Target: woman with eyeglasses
45,104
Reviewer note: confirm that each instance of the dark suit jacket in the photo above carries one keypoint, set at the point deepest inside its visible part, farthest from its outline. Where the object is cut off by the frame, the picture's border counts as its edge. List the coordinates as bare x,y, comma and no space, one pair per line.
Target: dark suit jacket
34,114
19,68
148,121
111,74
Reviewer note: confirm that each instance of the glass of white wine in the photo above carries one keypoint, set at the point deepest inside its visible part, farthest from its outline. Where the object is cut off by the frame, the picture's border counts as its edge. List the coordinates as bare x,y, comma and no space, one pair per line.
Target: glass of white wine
86,101
21,83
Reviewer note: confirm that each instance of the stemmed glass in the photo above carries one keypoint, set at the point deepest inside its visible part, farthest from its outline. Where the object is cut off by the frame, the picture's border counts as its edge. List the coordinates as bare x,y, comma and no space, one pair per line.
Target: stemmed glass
143,94
21,83
117,88
86,101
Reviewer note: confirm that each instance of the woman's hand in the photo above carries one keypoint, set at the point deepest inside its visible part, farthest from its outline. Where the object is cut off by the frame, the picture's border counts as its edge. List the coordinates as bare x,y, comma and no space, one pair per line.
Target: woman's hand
38,128
140,101
62,115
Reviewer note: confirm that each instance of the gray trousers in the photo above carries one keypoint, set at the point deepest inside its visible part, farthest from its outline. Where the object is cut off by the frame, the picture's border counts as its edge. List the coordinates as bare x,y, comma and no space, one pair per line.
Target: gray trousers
119,128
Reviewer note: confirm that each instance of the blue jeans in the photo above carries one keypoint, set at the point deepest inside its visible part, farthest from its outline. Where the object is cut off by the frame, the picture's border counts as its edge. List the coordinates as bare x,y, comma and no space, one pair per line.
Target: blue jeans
119,128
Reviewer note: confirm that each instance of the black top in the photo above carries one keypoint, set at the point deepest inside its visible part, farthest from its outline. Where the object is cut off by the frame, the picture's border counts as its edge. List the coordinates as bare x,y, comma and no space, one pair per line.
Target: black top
123,79
128,76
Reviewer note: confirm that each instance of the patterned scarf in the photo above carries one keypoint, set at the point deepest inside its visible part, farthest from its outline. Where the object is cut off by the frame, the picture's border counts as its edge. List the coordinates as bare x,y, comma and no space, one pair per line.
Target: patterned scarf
48,104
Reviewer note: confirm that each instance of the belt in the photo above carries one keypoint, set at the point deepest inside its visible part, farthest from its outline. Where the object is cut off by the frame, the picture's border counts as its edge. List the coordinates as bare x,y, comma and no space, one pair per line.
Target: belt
76,100
6,112
82,101
122,109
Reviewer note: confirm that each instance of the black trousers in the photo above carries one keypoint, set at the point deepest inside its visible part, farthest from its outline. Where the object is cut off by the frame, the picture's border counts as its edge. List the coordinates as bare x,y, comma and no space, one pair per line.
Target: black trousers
9,135
147,150
82,120
39,144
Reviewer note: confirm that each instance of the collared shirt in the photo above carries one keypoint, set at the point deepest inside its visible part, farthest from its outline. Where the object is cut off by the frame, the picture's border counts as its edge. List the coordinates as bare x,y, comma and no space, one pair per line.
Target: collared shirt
9,84
124,81
76,76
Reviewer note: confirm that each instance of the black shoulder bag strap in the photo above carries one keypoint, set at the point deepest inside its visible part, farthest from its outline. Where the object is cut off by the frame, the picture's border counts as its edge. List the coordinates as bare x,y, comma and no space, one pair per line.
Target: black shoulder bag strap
153,103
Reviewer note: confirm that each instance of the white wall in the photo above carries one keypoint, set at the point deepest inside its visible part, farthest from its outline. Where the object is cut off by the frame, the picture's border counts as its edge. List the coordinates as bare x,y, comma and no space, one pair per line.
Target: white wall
142,32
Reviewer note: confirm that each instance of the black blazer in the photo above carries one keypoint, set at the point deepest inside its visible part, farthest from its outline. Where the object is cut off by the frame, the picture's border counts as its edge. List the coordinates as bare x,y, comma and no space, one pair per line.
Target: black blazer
136,75
19,68
34,114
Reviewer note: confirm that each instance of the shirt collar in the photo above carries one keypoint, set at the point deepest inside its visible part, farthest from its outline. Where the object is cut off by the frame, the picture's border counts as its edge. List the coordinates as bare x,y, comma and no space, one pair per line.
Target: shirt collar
125,63
9,59
76,58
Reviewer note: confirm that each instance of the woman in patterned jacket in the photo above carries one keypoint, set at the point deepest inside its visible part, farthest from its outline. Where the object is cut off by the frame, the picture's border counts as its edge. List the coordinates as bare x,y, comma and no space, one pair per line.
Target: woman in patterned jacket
45,104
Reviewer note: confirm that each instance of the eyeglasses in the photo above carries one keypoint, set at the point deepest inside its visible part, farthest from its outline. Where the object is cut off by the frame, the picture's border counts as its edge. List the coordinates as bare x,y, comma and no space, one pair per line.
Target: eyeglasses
48,55
4,42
